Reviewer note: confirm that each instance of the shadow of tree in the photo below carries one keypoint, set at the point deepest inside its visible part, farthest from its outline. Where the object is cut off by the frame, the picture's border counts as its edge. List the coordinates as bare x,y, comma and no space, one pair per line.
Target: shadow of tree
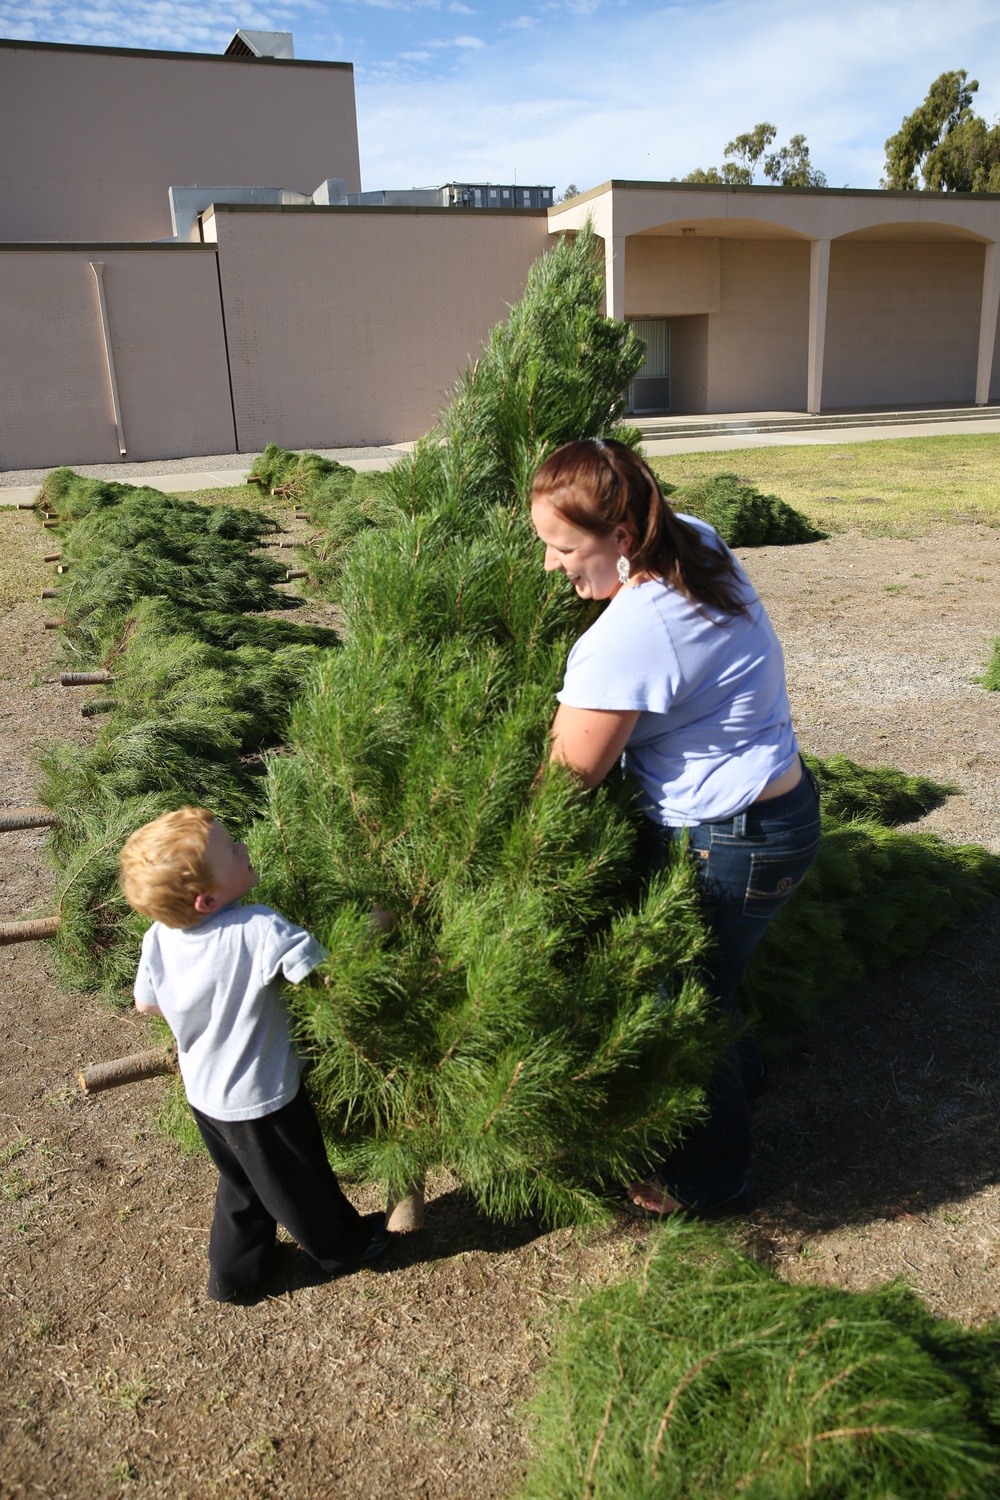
891,1102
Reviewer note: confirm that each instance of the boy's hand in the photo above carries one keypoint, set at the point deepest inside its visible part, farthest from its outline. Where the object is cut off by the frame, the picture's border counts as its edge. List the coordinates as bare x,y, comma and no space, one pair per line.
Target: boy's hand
382,920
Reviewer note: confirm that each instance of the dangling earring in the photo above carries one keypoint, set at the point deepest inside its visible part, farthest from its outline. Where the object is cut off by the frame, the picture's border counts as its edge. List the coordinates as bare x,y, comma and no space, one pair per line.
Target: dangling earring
624,568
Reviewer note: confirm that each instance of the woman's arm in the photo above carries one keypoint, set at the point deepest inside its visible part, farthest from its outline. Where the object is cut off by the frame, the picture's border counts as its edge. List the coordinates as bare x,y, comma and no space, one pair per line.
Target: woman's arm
591,740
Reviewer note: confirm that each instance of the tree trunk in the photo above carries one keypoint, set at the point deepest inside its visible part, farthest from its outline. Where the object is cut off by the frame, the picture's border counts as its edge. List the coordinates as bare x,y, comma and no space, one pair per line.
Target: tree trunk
27,817
26,932
139,1065
84,679
407,1213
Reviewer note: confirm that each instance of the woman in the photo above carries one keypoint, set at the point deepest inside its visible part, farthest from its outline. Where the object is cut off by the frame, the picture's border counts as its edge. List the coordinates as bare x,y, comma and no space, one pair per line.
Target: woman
682,676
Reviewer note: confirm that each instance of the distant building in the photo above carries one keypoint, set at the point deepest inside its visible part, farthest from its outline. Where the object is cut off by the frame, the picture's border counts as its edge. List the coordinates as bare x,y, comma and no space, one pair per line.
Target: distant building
189,265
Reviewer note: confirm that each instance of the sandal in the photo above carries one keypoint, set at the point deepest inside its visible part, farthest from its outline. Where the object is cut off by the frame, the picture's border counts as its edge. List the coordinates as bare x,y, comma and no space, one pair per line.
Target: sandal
649,1199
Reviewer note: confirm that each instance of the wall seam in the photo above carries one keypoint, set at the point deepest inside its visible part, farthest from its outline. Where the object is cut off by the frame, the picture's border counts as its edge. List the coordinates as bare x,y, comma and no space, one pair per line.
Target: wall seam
225,345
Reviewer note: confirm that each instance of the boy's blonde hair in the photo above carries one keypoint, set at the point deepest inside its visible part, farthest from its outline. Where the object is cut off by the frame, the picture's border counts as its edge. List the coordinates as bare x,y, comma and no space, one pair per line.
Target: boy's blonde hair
163,866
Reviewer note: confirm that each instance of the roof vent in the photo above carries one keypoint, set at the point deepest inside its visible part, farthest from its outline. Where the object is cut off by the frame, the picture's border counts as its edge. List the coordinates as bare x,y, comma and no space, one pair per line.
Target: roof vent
262,44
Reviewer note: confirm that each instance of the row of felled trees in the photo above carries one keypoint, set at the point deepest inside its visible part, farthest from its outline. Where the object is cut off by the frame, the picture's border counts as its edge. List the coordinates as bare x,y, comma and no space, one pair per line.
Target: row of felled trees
535,1022
514,1027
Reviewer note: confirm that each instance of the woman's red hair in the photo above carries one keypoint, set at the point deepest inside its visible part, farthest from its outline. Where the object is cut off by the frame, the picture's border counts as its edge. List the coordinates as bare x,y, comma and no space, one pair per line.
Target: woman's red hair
598,484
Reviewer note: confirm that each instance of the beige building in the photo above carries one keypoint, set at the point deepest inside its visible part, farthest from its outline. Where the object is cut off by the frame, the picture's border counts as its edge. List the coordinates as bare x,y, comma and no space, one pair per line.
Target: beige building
145,314
804,299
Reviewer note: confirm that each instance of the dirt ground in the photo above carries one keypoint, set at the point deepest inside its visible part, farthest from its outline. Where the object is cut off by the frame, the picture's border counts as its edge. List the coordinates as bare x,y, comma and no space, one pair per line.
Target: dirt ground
878,1143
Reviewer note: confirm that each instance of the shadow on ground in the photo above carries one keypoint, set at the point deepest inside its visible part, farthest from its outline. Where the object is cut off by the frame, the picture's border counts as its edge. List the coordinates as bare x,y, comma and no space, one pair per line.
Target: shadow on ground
890,1104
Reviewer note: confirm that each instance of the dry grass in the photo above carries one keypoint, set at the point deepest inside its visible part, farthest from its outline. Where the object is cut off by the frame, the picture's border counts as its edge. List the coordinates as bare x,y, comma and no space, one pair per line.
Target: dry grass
23,575
896,487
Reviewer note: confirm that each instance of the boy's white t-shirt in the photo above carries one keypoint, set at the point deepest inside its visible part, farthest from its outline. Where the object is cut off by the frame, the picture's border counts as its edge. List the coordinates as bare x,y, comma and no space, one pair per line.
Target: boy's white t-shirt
218,986
715,725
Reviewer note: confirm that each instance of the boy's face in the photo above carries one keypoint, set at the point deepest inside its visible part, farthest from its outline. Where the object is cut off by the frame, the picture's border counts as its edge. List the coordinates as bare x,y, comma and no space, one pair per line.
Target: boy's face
233,876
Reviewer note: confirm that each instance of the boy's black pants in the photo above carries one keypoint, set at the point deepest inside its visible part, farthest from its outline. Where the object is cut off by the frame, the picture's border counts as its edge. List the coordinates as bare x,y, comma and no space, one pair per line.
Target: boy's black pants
272,1171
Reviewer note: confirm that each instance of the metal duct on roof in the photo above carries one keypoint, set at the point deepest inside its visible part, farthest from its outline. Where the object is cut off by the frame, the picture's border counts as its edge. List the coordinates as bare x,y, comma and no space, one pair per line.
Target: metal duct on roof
262,44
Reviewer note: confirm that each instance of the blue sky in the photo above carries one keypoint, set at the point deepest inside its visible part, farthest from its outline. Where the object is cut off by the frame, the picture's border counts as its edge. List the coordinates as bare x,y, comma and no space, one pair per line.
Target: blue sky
559,91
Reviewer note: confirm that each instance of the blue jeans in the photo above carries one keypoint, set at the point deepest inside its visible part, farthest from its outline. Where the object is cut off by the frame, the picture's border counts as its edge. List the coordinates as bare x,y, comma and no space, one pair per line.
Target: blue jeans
748,867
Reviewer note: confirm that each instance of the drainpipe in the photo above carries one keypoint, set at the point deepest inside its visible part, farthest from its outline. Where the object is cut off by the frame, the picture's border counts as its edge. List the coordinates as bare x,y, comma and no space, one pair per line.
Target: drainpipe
988,324
97,266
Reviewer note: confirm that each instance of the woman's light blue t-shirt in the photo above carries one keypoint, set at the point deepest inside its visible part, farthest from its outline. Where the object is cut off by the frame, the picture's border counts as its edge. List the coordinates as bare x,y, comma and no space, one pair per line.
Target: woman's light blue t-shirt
715,724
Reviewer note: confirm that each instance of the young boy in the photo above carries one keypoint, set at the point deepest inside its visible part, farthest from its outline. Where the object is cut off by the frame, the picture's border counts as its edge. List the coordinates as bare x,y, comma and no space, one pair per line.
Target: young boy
212,968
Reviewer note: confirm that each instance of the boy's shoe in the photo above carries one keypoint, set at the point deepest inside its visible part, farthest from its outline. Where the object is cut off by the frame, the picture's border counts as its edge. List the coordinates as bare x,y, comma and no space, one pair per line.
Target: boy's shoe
244,1296
379,1242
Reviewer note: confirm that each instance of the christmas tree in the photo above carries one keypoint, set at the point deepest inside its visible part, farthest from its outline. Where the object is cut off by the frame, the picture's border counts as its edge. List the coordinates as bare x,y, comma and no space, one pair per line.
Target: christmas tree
516,1027
707,1375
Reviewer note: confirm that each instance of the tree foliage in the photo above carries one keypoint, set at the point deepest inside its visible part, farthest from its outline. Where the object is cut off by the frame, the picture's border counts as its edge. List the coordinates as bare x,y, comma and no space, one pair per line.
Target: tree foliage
788,167
155,594
707,1375
743,516
515,1027
944,143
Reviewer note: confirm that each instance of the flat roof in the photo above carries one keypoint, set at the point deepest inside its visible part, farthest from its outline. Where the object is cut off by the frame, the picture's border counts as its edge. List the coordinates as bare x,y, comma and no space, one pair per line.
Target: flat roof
910,194
213,57
472,215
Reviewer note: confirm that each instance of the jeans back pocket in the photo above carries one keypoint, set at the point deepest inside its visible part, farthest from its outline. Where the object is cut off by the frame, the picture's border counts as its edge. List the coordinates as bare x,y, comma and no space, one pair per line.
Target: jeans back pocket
774,877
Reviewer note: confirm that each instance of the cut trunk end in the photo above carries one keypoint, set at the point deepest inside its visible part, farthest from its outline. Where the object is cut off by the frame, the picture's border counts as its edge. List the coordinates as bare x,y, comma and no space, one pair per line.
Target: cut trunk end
27,817
404,1215
110,1075
84,679
52,557
291,573
27,932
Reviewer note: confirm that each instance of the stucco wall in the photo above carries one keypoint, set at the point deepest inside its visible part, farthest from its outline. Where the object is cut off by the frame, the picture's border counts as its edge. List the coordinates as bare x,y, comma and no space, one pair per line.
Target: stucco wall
667,276
165,322
902,323
758,340
349,326
94,137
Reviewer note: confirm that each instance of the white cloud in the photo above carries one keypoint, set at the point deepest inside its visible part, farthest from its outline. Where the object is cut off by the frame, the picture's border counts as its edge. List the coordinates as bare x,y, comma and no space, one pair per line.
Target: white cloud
643,91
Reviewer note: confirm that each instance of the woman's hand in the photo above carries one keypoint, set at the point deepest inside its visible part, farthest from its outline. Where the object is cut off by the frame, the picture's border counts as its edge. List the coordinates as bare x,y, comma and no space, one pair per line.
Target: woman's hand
591,740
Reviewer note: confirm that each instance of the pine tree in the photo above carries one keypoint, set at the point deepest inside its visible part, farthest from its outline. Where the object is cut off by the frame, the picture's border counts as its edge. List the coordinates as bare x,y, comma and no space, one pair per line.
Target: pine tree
532,1024
707,1375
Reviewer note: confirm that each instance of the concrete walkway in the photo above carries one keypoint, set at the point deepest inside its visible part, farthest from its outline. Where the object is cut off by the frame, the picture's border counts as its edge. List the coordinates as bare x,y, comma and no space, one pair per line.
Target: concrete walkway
832,437
180,475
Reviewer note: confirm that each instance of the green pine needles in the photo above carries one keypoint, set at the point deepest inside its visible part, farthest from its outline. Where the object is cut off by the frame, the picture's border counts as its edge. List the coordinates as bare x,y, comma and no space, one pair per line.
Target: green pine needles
707,1376
743,516
155,593
516,1027
991,679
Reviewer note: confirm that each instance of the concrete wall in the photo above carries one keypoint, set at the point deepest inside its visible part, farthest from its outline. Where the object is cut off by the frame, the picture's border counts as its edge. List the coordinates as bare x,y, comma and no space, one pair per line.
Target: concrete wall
668,277
758,340
93,137
902,325
349,325
165,321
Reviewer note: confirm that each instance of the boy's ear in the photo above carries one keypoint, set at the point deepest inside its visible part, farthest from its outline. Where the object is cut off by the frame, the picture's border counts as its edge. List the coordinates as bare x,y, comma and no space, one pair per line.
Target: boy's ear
205,902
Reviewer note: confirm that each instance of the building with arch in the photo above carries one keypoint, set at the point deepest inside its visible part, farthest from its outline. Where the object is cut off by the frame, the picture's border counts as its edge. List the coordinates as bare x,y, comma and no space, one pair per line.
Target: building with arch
145,315
805,299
